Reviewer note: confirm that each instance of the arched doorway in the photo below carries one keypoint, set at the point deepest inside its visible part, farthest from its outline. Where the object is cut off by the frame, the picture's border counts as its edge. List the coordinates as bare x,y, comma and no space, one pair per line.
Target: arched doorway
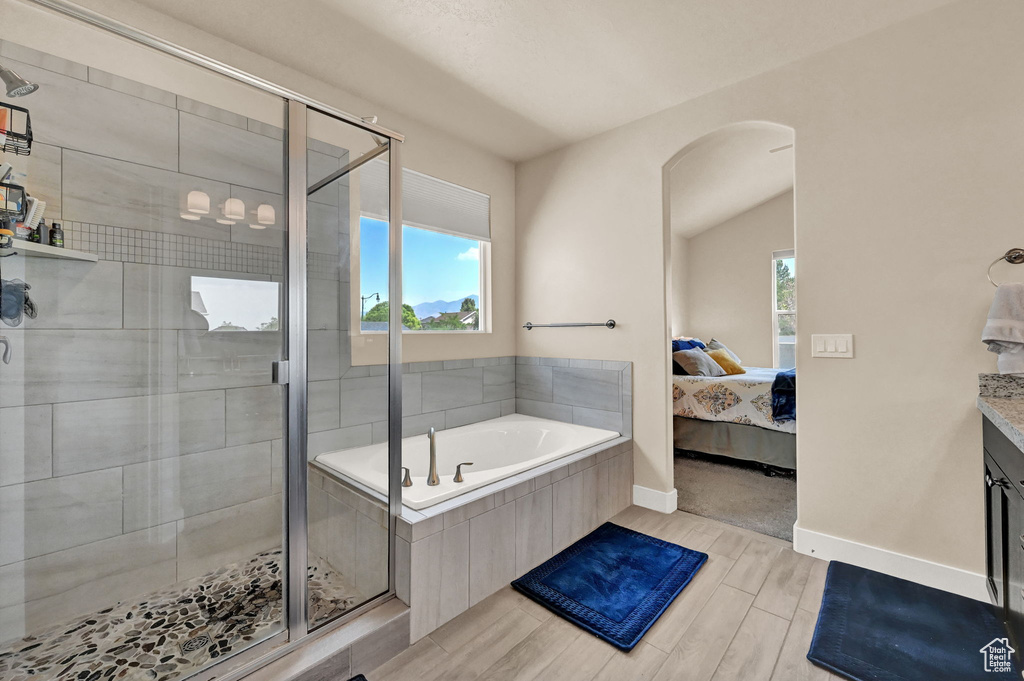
730,232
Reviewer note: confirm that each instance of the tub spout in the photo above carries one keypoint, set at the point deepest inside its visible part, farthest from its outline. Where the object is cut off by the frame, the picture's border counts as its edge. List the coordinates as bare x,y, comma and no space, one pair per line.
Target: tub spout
432,478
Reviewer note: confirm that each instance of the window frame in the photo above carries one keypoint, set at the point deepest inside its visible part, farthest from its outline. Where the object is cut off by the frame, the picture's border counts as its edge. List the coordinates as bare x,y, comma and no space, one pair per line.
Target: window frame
776,312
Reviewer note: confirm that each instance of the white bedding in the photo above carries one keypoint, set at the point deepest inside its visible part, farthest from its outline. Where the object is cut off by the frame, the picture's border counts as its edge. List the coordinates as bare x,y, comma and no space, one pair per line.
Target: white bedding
744,398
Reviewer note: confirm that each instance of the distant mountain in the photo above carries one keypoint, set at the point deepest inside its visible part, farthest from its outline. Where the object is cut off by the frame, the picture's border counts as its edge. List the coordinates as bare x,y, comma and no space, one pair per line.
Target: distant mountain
436,307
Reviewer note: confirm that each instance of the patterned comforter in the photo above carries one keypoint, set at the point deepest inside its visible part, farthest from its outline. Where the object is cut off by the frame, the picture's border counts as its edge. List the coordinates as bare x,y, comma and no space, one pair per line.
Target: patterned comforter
745,398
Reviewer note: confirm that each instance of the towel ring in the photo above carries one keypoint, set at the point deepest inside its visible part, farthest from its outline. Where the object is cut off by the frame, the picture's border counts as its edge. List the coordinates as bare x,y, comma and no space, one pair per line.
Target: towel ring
1014,256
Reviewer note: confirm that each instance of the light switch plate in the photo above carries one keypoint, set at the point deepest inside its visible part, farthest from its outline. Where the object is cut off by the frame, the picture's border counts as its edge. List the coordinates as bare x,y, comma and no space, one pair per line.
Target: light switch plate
835,345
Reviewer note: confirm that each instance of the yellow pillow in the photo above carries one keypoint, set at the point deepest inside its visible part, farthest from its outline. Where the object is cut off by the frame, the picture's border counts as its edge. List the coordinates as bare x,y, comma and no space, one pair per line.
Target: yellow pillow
730,366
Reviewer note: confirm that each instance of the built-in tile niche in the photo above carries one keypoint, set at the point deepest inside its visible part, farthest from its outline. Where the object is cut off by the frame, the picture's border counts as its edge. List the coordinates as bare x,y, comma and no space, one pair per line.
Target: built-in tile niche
139,448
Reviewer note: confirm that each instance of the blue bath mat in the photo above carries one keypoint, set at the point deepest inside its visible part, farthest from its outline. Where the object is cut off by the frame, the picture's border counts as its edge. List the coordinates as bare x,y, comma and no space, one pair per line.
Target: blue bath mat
873,627
615,582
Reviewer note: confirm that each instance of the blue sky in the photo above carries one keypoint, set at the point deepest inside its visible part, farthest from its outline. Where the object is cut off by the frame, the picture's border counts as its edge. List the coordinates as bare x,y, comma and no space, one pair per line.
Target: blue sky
437,266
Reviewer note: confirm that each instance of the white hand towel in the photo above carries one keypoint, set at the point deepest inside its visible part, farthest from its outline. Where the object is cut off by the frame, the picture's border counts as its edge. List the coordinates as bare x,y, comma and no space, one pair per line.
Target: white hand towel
1004,331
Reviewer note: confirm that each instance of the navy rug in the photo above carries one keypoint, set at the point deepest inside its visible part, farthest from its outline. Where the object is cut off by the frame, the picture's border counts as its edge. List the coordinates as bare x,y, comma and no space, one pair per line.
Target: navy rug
873,627
615,582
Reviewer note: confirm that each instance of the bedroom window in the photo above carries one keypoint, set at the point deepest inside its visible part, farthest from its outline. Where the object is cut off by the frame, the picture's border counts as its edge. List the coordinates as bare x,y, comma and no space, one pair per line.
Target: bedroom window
784,309
445,254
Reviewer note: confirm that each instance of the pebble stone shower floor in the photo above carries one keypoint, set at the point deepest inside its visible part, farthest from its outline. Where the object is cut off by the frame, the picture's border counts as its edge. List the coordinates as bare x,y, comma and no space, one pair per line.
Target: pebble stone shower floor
175,631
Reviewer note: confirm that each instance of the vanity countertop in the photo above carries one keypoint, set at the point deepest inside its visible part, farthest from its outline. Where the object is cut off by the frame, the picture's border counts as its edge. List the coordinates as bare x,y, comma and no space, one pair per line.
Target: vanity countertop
1001,399
1006,414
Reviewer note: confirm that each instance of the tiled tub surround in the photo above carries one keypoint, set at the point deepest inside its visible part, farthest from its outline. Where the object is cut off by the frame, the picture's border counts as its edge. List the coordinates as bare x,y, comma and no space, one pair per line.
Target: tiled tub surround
352,411
453,555
348,531
588,392
137,451
483,453
451,393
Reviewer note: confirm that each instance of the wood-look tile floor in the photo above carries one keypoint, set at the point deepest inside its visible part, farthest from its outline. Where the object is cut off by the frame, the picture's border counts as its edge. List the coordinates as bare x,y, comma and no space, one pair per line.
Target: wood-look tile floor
748,615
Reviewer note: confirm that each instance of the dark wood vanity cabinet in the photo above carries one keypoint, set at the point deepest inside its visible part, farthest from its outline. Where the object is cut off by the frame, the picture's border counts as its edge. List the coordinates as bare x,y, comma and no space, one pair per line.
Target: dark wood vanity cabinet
1004,525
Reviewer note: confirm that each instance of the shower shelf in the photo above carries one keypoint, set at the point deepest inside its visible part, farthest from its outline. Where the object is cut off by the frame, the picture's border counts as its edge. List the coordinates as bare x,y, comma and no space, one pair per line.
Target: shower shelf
33,250
15,130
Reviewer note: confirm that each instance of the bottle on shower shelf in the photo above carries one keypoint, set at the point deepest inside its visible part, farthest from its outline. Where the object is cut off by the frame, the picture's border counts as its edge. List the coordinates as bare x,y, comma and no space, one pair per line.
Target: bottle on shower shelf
56,236
6,234
41,235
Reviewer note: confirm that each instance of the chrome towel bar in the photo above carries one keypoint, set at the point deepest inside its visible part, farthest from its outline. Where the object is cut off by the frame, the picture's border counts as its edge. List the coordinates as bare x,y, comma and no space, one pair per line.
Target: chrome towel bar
608,324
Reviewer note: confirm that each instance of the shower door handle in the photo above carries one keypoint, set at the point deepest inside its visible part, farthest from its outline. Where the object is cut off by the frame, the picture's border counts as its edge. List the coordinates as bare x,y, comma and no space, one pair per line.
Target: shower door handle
6,356
279,372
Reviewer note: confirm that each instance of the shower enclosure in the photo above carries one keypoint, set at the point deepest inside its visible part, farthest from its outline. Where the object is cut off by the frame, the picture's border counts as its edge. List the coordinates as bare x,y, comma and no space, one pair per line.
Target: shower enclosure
159,518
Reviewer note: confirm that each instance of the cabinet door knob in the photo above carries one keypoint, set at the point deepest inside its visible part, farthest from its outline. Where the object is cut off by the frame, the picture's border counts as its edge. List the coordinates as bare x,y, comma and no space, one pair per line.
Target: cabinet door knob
992,482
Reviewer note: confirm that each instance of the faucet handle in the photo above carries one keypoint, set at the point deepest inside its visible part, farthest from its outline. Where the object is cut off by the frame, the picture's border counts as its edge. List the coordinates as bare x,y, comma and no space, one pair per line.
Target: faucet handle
406,478
458,471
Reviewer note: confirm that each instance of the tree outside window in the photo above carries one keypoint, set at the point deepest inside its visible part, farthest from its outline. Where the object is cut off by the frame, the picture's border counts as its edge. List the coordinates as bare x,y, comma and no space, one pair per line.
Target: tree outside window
784,309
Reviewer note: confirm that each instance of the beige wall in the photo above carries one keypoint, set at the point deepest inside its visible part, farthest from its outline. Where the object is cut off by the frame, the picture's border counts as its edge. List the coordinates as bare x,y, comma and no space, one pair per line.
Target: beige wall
728,289
679,248
908,165
426,150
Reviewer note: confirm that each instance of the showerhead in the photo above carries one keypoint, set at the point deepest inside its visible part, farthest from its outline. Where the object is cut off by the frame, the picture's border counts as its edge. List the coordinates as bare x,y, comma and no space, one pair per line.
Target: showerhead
16,85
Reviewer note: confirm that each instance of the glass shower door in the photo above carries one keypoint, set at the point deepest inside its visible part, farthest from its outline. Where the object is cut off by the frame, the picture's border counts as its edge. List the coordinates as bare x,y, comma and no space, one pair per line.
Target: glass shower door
200,420
348,368
141,451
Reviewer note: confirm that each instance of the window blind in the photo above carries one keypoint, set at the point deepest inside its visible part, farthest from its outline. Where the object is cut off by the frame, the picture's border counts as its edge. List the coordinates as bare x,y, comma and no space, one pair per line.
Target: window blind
427,202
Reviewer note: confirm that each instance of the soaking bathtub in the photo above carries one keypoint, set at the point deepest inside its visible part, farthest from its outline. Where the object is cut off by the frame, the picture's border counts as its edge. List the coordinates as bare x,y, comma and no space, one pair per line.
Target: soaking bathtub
498,448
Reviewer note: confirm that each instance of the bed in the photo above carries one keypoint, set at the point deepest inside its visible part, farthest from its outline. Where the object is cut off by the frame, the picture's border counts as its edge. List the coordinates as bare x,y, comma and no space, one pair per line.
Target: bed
732,416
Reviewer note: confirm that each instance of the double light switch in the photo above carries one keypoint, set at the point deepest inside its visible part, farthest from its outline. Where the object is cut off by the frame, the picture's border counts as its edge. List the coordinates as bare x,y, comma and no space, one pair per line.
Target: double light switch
838,345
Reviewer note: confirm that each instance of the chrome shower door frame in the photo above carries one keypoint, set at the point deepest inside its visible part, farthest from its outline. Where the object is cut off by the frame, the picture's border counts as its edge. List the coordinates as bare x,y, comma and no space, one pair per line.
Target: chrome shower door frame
295,477
296,473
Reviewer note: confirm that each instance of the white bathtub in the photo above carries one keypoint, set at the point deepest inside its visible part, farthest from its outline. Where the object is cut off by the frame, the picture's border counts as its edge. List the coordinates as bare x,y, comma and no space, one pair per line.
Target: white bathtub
498,448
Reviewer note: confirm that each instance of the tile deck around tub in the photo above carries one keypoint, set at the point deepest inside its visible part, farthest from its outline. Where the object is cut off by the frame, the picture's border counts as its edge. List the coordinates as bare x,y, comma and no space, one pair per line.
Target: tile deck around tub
175,631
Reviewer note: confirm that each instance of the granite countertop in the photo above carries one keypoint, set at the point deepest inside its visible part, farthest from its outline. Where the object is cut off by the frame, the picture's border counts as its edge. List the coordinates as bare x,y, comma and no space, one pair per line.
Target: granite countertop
1001,399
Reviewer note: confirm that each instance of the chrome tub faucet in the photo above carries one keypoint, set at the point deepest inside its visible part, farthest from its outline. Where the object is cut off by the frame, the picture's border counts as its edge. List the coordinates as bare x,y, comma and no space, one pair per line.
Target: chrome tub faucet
432,478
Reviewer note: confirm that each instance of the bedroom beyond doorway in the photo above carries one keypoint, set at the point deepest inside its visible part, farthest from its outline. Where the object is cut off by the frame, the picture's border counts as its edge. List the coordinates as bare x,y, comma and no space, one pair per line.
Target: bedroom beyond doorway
734,322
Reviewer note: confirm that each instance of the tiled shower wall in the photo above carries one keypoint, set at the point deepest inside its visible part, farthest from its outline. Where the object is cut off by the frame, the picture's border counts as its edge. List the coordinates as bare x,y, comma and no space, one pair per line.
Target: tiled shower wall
137,449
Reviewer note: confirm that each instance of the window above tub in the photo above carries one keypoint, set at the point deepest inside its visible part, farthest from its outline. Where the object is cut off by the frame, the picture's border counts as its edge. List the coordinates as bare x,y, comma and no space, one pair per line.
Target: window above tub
445,254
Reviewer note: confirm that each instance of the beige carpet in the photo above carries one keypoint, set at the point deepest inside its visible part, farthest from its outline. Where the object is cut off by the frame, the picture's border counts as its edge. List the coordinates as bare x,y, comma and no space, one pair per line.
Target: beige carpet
737,494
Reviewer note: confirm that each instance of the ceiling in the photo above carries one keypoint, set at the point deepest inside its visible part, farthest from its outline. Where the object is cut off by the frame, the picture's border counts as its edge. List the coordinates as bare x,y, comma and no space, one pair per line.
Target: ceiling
727,173
522,77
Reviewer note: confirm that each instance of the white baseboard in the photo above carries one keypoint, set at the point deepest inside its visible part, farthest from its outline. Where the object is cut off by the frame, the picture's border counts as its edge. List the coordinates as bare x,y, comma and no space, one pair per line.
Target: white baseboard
663,502
827,547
